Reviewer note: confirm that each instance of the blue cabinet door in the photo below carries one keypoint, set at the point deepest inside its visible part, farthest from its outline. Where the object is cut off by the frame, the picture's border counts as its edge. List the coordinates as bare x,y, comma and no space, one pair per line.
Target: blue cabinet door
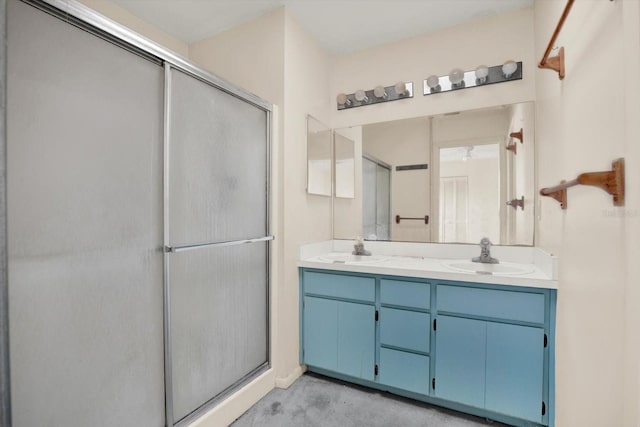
356,340
321,333
460,360
514,377
339,336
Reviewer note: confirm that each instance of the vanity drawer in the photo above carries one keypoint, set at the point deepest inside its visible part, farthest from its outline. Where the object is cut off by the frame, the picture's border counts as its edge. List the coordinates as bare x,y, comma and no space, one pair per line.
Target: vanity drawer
407,371
405,329
499,304
340,286
407,294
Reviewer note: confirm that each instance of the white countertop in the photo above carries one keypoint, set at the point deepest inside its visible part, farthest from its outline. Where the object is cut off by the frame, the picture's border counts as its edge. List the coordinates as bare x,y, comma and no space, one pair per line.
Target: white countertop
540,271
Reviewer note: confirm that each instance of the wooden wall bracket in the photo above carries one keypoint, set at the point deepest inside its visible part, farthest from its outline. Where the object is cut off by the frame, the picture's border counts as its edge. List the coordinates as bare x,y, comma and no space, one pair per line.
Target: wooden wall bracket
610,181
518,135
556,63
513,147
559,192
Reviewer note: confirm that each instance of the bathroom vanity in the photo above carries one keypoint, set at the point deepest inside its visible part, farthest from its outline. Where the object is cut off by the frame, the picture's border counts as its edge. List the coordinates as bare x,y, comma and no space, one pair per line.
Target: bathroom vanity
418,327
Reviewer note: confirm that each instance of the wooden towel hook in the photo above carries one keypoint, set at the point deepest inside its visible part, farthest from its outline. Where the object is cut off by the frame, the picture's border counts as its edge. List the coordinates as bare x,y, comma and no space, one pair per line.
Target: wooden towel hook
610,181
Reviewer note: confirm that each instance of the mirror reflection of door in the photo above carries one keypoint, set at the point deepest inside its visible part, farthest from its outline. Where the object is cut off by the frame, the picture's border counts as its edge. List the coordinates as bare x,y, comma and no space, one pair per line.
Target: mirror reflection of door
469,192
376,201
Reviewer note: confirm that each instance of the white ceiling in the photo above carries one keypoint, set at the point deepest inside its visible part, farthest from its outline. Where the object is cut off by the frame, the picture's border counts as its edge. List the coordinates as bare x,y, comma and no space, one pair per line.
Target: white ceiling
340,26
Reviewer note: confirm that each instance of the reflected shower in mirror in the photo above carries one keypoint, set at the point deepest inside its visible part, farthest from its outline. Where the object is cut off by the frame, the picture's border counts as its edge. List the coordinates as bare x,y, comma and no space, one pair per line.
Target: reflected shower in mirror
444,178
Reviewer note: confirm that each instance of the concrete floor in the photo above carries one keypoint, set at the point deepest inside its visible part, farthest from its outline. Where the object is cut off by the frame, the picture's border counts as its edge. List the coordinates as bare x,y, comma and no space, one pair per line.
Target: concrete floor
316,401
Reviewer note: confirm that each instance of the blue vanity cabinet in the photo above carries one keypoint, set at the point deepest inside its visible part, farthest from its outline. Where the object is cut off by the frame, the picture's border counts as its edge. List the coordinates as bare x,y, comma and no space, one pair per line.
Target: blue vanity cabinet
338,315
478,348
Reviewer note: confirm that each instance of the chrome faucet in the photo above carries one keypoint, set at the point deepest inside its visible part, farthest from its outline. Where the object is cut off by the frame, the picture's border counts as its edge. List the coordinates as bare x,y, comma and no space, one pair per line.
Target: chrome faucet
358,248
485,253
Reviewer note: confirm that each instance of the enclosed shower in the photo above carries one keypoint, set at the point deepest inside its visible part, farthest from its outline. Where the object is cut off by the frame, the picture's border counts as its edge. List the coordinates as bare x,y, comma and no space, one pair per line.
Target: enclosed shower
138,238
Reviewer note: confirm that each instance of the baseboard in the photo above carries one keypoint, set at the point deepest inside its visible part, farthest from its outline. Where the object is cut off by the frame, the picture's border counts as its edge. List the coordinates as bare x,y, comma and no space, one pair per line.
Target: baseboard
291,378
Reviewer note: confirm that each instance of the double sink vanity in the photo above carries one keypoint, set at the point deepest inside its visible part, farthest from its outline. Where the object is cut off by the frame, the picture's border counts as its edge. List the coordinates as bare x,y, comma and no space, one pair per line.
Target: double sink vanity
423,321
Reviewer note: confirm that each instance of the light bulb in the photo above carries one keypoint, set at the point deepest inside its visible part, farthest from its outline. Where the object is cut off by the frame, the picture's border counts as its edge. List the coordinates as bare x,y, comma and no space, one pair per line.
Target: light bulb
379,92
361,96
456,76
508,68
342,99
481,73
400,88
433,81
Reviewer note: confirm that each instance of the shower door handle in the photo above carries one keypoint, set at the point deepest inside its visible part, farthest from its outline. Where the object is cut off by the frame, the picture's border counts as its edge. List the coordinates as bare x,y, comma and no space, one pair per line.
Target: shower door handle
183,248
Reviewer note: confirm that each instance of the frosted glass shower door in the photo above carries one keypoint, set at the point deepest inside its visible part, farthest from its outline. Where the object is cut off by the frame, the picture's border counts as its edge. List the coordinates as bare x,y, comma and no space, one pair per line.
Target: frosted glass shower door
84,227
217,231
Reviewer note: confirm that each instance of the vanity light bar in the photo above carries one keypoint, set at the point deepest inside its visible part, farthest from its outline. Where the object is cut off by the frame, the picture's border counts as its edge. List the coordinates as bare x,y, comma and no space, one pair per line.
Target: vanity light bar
359,98
481,76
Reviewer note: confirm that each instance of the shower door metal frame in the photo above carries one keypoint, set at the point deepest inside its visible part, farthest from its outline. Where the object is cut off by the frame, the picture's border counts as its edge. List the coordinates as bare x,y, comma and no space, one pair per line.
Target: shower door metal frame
79,15
5,382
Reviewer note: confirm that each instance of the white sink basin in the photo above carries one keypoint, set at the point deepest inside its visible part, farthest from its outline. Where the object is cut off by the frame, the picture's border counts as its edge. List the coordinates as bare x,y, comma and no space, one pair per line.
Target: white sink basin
502,269
351,259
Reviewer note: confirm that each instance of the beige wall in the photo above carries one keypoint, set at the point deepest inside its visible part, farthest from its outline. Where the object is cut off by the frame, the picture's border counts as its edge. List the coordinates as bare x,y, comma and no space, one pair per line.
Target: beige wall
582,124
631,24
489,41
126,18
307,218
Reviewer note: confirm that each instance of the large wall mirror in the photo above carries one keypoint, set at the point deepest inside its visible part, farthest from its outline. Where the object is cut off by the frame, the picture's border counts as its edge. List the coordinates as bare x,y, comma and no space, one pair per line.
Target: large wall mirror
443,179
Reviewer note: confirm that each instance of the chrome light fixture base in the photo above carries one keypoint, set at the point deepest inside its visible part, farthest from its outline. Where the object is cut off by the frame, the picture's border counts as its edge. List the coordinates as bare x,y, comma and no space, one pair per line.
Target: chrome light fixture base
495,75
391,93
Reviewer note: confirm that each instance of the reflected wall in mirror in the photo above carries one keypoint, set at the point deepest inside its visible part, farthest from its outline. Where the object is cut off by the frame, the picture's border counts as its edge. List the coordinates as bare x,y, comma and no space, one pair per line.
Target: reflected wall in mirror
345,173
318,158
452,168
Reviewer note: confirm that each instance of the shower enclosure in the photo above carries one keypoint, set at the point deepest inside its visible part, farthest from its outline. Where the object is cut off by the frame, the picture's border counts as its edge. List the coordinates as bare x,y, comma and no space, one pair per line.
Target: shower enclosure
376,199
138,240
